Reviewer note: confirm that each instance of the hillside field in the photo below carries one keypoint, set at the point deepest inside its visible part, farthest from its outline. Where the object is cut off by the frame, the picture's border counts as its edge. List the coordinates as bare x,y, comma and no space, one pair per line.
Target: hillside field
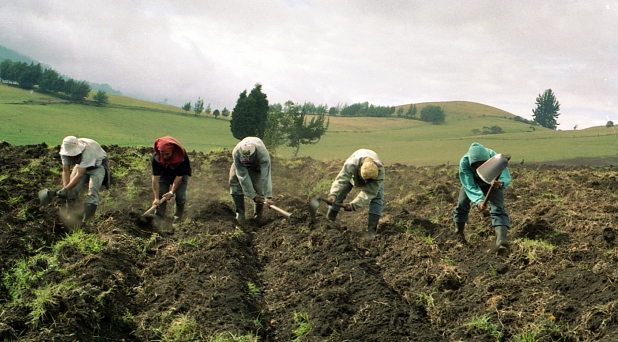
34,118
290,279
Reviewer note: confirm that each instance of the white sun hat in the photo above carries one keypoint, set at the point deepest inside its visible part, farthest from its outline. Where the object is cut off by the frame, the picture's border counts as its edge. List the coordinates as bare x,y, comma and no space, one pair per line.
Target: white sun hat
71,146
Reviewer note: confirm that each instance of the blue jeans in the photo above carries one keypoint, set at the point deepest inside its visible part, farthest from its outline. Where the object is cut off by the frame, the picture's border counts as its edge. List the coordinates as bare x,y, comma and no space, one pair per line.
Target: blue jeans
375,206
499,216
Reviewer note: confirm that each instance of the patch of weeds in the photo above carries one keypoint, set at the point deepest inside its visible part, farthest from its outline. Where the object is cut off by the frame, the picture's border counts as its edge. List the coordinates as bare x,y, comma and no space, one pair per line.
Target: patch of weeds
16,200
481,324
555,199
127,319
143,245
131,191
32,168
26,215
44,297
181,328
534,249
193,242
526,336
425,298
230,337
303,325
238,232
253,289
85,243
493,272
428,239
323,187
447,260
414,230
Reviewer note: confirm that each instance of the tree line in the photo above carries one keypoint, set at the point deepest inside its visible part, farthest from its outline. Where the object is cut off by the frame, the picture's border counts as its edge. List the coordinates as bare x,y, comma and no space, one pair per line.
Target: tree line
27,76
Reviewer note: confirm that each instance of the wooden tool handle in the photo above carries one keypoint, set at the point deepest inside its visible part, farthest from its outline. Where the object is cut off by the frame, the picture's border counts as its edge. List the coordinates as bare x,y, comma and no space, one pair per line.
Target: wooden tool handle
340,205
155,206
281,211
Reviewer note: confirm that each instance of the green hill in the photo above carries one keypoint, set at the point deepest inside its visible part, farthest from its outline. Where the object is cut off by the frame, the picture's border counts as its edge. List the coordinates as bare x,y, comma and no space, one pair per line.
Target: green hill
32,118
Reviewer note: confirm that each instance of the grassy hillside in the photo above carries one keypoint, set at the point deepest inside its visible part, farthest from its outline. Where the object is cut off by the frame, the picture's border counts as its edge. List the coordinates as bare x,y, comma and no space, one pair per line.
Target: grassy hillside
32,118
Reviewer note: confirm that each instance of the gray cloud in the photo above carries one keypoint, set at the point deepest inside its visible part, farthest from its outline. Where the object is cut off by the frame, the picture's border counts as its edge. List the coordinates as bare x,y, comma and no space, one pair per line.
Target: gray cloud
499,53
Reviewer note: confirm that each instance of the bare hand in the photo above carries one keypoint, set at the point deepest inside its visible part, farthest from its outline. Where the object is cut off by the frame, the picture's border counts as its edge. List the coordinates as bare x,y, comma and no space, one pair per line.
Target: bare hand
496,184
268,202
347,207
258,199
482,206
331,199
168,195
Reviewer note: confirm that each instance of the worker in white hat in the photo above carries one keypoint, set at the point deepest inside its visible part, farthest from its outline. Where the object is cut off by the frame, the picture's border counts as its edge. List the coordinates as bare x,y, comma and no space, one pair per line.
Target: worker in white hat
250,176
90,166
363,169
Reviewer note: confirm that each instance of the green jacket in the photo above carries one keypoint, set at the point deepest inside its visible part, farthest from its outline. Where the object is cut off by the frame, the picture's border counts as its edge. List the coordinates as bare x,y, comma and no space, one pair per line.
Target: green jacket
470,180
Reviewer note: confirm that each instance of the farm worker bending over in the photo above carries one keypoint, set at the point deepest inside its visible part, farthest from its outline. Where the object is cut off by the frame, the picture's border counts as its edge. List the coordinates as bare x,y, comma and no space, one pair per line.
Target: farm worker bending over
91,166
473,190
250,175
171,170
363,169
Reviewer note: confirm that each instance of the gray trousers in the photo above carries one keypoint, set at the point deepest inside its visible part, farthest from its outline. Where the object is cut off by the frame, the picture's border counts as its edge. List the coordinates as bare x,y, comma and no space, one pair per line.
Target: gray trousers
236,188
94,178
499,216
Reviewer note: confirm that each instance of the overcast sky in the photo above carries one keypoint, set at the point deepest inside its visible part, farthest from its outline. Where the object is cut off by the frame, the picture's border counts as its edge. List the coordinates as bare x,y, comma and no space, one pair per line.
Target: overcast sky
497,52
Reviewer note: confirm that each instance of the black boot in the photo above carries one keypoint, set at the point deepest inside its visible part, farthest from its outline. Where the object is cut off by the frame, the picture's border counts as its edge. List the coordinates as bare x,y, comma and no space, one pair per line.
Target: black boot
459,230
501,239
239,203
160,211
258,210
180,209
331,215
89,210
372,225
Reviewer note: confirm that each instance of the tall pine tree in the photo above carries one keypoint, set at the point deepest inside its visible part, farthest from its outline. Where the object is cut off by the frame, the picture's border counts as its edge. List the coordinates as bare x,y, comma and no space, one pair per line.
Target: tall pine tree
546,111
249,116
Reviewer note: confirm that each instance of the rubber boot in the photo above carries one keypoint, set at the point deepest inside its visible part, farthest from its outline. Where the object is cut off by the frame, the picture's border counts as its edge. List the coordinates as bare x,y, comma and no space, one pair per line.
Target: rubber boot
372,225
239,203
159,215
331,215
180,209
459,230
501,239
89,210
258,210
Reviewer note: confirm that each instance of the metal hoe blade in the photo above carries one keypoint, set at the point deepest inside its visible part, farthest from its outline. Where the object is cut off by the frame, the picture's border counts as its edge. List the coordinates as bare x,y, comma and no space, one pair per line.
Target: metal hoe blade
46,196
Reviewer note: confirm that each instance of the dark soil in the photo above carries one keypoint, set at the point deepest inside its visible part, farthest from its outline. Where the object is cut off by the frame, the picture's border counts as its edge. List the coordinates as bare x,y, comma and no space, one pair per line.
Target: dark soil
414,282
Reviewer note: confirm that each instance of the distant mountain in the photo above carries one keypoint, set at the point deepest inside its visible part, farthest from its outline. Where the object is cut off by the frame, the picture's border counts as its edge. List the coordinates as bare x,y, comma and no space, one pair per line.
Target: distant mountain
6,53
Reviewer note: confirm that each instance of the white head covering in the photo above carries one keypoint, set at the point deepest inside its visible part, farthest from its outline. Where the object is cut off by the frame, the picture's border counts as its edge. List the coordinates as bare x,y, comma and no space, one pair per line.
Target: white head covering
71,146
247,149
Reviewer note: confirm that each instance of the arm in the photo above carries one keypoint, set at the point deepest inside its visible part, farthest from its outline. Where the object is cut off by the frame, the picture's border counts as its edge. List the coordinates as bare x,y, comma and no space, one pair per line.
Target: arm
175,186
75,180
155,189
66,175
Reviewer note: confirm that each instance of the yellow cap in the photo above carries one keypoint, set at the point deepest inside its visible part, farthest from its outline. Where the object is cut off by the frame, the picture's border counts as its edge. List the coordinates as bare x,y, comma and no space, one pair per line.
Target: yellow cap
369,170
